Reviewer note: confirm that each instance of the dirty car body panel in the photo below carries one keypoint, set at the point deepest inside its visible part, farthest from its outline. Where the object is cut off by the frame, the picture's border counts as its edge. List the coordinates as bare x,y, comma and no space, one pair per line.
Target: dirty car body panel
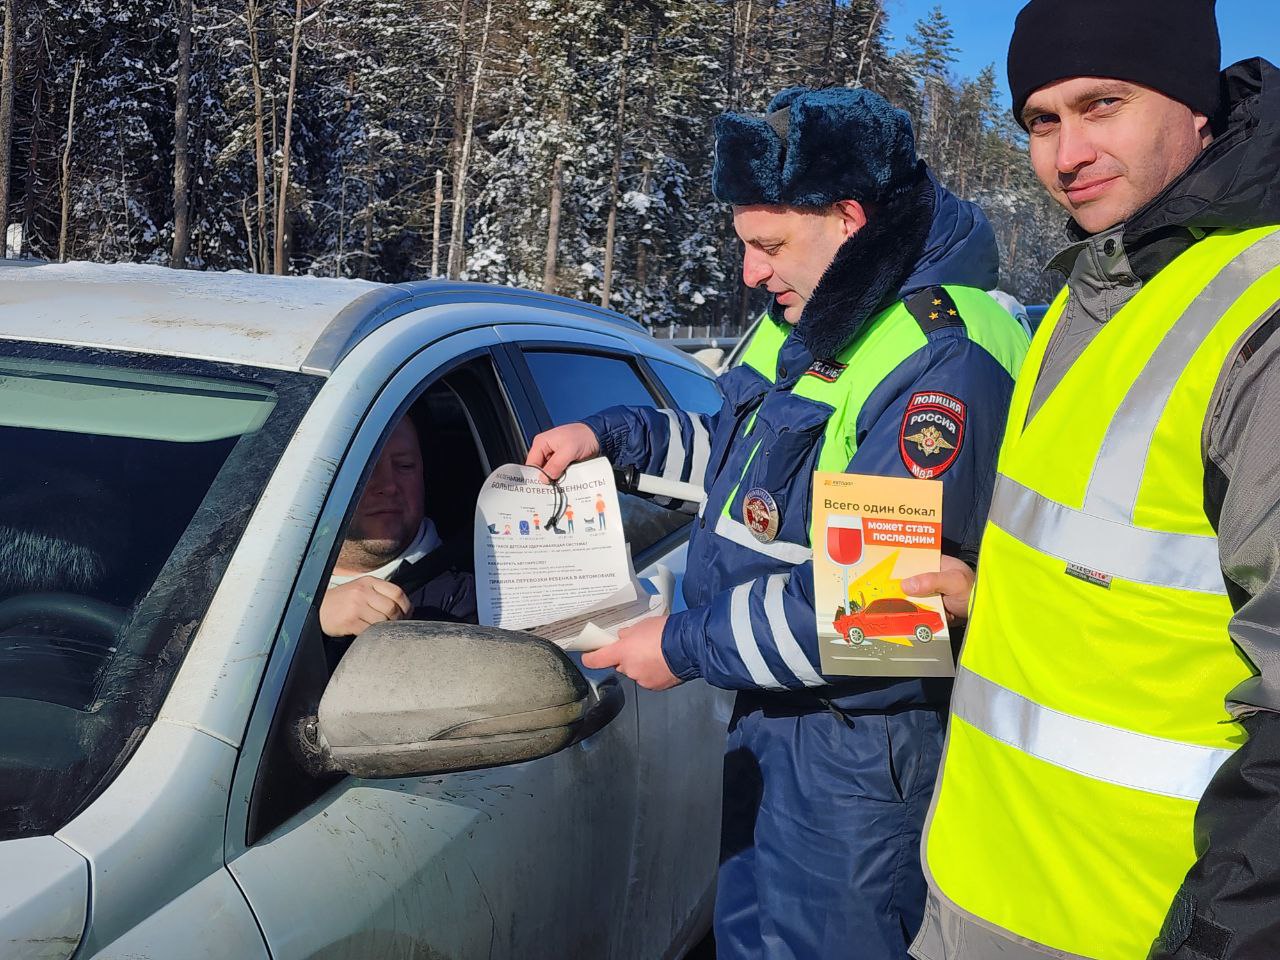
198,838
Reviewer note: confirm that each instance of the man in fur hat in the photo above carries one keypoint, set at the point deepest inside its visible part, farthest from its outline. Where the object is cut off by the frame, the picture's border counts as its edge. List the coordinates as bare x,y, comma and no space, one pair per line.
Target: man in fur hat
880,327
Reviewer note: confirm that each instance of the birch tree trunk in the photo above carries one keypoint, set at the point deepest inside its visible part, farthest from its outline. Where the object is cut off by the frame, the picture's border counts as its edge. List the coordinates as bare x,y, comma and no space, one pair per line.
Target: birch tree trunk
553,210
181,154
282,195
458,225
8,62
66,166
738,66
435,224
615,181
866,41
259,137
462,57
33,159
248,232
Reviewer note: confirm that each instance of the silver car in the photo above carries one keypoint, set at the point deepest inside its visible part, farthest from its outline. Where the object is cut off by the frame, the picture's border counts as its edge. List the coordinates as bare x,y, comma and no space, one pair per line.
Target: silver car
186,767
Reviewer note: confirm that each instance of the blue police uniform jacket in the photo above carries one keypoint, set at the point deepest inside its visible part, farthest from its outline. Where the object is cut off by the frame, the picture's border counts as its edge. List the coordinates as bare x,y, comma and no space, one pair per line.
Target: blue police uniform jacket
766,637
826,779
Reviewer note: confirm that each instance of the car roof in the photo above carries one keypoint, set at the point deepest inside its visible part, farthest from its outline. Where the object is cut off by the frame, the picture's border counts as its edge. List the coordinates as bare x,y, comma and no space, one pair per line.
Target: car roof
292,323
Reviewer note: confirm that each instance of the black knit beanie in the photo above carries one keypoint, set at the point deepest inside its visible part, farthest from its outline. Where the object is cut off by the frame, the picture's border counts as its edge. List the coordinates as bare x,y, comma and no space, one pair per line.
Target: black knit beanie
1168,45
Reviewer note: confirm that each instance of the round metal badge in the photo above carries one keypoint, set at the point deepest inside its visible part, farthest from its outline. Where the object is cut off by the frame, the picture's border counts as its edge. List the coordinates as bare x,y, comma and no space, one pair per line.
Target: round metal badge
760,512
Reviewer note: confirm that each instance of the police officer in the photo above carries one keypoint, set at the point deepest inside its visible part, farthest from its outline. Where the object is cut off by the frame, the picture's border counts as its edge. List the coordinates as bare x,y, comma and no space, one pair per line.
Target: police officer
1097,794
878,277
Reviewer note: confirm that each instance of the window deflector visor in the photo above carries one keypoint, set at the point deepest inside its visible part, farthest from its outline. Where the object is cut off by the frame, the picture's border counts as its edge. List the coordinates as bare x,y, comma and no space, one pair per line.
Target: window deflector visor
147,405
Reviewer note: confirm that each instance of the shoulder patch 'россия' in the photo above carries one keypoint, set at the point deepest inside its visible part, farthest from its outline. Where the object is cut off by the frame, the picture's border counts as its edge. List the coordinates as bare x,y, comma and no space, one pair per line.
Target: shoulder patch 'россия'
932,433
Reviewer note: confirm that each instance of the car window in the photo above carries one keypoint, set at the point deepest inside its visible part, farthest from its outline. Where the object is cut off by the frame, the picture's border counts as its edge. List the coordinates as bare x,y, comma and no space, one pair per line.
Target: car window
576,385
891,605
127,482
464,429
692,391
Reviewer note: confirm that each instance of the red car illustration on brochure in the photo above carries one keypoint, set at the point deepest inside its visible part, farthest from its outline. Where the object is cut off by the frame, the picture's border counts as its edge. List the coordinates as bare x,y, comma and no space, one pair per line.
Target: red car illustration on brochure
888,619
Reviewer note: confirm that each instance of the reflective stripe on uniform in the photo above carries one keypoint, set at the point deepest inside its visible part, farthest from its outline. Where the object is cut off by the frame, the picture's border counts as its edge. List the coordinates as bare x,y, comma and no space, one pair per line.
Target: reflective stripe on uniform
698,466
701,451
736,532
674,464
1087,747
783,639
1180,561
744,638
1122,458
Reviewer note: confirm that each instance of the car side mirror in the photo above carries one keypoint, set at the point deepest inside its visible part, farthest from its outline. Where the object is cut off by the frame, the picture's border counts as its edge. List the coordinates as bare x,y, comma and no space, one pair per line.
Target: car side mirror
412,698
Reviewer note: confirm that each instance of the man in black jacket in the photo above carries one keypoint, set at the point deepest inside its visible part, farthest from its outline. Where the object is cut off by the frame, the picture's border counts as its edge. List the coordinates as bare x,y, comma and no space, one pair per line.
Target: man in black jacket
1160,161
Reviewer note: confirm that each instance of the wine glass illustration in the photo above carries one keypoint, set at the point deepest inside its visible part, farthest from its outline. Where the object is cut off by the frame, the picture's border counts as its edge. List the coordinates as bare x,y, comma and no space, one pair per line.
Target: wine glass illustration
844,546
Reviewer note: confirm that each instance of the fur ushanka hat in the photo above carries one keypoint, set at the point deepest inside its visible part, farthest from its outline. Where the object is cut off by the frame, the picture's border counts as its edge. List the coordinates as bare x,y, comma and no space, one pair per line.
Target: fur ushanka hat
812,148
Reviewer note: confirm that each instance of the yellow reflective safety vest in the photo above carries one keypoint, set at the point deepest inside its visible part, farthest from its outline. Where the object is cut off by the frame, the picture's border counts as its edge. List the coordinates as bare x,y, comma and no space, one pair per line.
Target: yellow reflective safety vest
1088,714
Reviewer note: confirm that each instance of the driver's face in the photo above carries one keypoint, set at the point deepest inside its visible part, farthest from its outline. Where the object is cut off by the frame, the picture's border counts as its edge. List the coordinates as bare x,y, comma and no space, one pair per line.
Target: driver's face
392,505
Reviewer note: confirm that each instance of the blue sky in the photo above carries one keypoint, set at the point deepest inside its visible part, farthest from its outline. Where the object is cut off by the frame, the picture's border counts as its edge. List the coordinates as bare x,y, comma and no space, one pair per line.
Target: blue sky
1249,28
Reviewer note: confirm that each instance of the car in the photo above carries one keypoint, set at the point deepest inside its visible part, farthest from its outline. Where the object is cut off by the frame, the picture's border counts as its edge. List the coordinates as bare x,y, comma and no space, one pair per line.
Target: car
188,768
1035,314
886,618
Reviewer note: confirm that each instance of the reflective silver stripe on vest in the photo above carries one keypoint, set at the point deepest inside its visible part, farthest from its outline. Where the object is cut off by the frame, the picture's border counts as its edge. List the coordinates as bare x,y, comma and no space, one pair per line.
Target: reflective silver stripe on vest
744,638
783,639
1122,459
1179,560
1095,750
736,532
674,463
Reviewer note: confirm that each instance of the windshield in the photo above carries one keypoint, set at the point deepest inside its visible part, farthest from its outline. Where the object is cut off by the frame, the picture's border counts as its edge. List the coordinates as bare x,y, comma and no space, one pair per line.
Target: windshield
125,483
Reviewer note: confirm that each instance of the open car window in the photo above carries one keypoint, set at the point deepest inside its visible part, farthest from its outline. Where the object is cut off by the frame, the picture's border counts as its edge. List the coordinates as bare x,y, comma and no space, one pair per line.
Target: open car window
465,427
125,484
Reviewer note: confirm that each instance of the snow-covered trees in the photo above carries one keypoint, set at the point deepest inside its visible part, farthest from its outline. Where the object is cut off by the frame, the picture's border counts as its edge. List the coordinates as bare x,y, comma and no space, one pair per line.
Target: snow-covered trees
558,144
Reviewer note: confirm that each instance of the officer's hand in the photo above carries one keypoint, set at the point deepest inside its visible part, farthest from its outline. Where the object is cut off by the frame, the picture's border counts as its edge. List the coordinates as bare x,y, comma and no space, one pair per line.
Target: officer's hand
637,654
954,582
557,448
348,609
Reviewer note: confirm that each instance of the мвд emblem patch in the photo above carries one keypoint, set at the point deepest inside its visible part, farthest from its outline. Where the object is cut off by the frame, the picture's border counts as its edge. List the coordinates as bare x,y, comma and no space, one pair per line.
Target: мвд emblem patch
932,433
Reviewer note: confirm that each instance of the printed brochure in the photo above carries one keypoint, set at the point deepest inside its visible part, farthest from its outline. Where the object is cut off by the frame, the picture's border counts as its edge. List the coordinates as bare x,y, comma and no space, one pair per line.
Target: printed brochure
872,533
553,559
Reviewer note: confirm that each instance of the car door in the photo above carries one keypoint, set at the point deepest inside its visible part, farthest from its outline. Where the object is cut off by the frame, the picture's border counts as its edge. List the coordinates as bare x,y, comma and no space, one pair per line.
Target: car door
879,623
496,862
681,730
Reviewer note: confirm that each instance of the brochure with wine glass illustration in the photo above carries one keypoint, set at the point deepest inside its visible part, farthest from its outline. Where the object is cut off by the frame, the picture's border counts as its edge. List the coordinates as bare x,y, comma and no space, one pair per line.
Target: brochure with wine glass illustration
553,559
873,532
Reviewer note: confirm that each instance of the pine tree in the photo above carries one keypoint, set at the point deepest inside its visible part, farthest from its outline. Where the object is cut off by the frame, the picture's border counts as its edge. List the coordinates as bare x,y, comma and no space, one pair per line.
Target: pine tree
594,114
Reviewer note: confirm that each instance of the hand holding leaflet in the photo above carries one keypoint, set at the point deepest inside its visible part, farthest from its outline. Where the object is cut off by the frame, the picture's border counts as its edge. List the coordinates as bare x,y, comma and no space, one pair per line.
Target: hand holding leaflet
552,558
876,534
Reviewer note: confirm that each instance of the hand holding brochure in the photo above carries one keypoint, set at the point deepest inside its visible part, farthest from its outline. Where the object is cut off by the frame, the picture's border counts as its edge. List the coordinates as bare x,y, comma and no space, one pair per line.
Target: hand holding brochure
552,559
875,531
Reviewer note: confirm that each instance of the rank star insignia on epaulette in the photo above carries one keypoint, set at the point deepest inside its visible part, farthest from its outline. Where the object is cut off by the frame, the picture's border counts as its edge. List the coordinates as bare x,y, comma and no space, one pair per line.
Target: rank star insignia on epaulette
934,309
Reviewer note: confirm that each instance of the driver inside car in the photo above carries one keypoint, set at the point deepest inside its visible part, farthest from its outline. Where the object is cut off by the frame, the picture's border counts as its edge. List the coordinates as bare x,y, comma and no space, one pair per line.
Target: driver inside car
392,565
